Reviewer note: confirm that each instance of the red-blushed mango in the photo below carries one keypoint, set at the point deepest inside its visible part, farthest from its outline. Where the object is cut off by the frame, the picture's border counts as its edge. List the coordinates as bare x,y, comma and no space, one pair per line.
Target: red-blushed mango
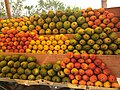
102,77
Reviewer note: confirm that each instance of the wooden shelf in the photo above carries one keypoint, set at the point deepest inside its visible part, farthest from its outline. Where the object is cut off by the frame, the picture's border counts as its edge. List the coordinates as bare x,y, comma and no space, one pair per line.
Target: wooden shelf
60,85
71,35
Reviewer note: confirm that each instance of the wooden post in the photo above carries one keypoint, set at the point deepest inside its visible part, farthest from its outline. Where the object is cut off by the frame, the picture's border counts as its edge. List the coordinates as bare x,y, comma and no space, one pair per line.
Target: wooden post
104,3
7,8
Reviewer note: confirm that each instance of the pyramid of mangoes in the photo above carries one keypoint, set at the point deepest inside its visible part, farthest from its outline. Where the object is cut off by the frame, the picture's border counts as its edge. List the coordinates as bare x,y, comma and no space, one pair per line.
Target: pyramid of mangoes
79,69
63,22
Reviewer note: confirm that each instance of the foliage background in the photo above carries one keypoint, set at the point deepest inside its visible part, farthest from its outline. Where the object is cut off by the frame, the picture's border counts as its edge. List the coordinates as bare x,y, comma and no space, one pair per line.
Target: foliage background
18,9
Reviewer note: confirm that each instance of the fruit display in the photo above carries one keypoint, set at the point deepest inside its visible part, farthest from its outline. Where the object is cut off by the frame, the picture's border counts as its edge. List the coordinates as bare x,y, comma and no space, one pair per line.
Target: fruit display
49,44
87,69
14,41
26,68
93,29
95,41
77,35
19,67
30,42
89,40
66,22
79,69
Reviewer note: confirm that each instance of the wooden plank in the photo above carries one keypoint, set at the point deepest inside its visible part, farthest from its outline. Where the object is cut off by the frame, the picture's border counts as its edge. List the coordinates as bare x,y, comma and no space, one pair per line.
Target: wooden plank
112,61
71,35
7,8
118,33
60,85
115,10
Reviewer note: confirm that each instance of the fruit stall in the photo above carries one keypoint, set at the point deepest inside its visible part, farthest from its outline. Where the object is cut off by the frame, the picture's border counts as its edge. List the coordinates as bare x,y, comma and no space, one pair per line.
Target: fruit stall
55,50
